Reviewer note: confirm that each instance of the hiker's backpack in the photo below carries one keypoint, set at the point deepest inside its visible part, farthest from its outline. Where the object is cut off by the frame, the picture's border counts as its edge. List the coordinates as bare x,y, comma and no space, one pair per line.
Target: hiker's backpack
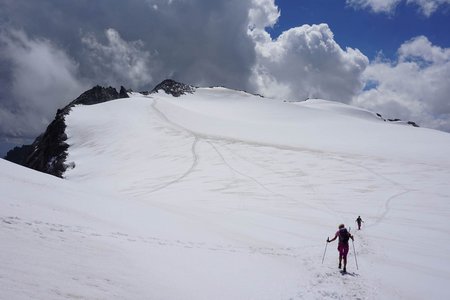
344,236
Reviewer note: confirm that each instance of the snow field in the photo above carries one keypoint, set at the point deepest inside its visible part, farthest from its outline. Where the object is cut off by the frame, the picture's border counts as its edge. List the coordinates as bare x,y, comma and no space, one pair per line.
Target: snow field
224,195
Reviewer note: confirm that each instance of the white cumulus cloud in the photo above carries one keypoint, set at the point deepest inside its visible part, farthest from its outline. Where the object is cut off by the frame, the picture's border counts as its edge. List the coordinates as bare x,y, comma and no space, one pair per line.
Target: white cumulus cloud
263,13
306,62
385,6
426,7
414,87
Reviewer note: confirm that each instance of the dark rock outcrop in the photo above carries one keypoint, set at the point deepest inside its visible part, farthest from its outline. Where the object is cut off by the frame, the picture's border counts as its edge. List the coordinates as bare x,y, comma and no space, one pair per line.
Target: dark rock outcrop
48,152
123,93
19,155
397,120
413,124
174,88
97,95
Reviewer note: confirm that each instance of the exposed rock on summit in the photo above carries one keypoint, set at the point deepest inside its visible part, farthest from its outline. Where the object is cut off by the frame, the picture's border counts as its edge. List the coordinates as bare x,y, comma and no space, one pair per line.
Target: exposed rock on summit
99,94
174,88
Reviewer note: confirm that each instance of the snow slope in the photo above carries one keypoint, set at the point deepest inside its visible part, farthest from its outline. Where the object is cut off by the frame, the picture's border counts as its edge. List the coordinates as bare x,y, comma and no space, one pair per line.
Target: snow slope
224,195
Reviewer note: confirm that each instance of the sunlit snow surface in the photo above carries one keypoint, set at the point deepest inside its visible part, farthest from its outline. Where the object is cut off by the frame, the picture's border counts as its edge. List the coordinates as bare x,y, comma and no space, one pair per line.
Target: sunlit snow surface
224,195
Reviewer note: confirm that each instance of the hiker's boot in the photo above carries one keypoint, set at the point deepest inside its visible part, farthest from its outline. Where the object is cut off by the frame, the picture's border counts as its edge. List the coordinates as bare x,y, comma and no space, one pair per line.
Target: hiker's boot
339,265
344,270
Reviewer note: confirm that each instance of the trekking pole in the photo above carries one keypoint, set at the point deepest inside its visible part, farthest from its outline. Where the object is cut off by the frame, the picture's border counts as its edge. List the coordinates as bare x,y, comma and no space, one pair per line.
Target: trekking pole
325,251
354,251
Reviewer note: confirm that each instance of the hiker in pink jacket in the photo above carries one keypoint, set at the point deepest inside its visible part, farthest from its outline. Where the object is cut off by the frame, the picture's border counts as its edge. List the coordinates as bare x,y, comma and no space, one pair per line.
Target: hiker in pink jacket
343,247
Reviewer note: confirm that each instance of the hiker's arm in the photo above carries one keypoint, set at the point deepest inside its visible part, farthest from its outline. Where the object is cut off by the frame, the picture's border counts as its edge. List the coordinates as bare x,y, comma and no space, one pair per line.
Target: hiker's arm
332,239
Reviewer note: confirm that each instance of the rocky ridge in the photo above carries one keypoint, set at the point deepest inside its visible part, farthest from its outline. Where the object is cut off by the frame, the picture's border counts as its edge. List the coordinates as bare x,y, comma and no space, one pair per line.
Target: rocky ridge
49,150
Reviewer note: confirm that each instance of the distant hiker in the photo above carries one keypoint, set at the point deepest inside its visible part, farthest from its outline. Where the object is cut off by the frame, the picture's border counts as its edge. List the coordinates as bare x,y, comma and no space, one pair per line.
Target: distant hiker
359,221
344,236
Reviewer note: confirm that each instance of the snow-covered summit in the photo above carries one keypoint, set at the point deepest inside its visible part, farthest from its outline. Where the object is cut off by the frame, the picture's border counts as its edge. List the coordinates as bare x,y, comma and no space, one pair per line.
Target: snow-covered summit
49,151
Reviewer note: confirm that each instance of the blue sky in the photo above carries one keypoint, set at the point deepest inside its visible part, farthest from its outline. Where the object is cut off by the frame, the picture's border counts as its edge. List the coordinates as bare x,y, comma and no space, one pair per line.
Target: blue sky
363,29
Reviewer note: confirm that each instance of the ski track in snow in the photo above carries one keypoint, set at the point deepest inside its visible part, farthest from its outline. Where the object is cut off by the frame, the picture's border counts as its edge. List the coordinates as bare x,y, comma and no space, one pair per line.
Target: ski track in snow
182,176
387,208
193,151
388,200
253,179
303,175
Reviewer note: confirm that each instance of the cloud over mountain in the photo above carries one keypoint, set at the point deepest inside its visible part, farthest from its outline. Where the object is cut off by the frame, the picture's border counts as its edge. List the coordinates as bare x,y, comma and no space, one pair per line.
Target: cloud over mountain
53,50
135,43
42,76
118,60
306,62
415,86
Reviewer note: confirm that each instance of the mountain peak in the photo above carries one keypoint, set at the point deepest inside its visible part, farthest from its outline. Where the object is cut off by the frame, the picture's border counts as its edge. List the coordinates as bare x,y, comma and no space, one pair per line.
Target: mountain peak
99,94
174,88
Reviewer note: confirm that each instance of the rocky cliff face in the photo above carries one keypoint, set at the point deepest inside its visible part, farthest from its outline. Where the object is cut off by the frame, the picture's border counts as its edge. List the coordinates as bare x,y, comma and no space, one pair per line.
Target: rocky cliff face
19,155
49,151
